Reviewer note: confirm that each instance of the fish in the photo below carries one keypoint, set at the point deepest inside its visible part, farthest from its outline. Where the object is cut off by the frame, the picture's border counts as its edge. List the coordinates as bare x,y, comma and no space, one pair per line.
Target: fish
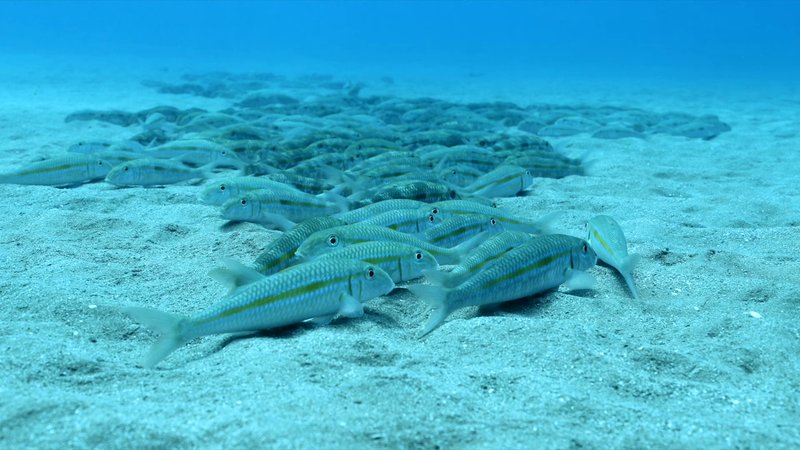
373,209
503,181
195,152
155,172
281,208
479,258
412,221
455,230
606,238
326,241
281,252
537,266
66,170
319,291
454,208
217,192
402,262
424,191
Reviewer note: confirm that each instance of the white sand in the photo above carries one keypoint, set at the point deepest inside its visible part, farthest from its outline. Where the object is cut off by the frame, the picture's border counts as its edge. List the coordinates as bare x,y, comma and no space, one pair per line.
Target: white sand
687,366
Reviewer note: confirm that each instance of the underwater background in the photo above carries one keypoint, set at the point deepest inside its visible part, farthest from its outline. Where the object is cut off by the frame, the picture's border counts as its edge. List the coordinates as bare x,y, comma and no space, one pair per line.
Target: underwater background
678,119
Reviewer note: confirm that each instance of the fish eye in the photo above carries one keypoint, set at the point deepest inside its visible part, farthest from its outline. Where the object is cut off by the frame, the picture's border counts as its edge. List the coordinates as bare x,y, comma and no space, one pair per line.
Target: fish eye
418,255
100,163
493,221
370,273
244,201
494,204
585,247
221,187
453,194
126,168
435,211
453,171
431,218
333,240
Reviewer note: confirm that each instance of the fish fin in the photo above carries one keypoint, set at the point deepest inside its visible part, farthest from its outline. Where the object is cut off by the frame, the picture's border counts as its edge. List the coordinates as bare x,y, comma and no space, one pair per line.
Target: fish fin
278,220
342,203
322,320
441,278
626,270
170,327
463,249
235,275
436,297
578,280
350,307
545,224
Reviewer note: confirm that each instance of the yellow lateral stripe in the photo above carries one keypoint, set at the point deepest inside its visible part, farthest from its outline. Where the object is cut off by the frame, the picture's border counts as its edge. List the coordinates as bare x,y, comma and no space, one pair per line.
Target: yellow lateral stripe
48,169
537,264
296,292
603,242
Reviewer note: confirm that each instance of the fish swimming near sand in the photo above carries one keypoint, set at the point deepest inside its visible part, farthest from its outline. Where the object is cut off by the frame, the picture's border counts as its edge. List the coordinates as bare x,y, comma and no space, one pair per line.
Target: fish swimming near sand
155,172
606,238
537,266
319,291
65,170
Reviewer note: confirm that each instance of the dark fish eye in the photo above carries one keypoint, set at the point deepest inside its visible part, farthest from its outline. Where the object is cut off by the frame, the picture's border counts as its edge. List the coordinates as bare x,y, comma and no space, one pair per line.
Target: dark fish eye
453,171
332,240
244,201
126,168
418,255
493,221
370,273
453,194
435,211
585,248
221,187
431,218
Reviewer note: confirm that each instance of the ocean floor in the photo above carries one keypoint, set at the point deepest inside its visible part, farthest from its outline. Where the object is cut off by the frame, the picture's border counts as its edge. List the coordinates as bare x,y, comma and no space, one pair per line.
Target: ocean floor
707,358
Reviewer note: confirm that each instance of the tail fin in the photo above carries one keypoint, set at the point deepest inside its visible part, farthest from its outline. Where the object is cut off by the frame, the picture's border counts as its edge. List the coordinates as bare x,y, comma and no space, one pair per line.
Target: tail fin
235,275
342,203
169,326
626,269
436,297
545,224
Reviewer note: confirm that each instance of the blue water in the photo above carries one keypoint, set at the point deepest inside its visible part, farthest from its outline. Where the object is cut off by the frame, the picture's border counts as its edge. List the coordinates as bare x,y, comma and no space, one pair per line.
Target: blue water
571,38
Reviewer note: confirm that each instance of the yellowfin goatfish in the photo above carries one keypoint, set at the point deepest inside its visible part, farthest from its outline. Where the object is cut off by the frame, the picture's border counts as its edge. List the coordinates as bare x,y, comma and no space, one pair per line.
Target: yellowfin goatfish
606,238
402,262
281,252
154,172
282,208
326,241
316,290
480,258
61,171
532,268
504,181
220,191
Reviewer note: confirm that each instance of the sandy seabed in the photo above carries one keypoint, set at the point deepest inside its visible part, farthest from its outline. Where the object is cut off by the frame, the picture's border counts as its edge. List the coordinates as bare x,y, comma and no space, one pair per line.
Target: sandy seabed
709,357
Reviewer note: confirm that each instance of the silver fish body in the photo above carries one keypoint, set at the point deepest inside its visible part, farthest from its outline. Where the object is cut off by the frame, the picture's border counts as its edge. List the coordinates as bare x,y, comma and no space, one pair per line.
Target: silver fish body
60,171
315,290
606,238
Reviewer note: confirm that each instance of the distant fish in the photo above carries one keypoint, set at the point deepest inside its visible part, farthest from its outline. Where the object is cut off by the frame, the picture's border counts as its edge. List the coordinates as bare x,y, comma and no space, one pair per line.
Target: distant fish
316,290
424,191
196,152
154,172
455,230
405,220
539,265
503,181
606,238
374,209
509,221
60,171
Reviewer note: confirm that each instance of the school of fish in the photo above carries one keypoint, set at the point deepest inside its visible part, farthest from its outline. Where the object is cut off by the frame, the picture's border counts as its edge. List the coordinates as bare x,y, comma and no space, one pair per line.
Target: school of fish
371,193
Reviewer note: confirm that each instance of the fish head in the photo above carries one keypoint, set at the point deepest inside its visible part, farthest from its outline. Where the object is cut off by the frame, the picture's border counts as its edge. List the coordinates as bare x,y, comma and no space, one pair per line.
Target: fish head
320,243
99,168
582,256
370,282
416,262
240,208
216,193
122,175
